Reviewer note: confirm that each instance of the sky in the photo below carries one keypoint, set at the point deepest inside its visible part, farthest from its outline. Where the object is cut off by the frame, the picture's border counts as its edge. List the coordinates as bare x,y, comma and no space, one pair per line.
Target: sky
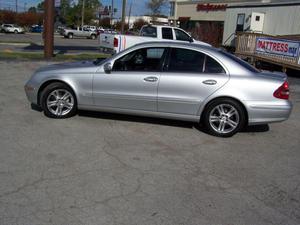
138,6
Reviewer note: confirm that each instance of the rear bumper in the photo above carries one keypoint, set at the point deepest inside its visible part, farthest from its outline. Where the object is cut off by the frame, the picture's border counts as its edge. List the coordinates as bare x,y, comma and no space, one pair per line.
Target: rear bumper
268,112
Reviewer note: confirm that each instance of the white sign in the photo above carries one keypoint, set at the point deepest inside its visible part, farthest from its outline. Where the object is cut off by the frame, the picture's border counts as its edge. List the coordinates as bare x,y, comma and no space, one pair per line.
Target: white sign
277,46
57,3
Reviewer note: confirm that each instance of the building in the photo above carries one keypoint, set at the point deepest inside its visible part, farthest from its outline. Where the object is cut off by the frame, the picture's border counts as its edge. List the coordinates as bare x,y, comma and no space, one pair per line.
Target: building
151,20
270,17
217,21
203,19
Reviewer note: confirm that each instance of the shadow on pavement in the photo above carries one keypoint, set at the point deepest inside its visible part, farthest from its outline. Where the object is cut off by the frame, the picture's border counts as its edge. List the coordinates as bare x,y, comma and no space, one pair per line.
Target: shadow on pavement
165,122
35,47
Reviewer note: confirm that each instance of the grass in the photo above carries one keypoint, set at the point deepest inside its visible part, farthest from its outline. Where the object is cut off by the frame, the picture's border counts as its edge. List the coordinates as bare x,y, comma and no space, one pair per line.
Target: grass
57,57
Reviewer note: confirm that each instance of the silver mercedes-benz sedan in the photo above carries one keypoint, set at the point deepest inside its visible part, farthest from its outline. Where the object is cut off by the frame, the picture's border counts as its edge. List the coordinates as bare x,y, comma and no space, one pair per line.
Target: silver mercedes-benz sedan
171,80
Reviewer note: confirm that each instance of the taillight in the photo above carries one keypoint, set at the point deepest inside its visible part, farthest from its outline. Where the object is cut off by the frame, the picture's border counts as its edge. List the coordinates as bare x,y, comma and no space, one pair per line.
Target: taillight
283,91
116,41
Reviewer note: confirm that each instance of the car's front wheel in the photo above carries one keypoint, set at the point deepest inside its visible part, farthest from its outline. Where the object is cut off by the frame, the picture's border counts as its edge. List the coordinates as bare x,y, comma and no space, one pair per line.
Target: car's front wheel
224,117
58,101
16,31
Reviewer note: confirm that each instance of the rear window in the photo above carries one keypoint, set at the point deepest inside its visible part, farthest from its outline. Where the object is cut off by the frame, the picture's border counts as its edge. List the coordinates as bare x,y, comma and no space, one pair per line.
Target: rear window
241,62
149,31
167,33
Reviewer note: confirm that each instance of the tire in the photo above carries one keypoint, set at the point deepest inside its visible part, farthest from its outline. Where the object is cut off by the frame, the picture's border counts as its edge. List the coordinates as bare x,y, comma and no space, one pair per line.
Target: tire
16,31
58,101
70,35
224,117
93,36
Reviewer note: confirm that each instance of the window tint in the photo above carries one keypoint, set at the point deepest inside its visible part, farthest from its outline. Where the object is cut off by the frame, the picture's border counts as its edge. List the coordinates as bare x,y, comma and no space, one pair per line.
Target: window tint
186,60
149,31
181,36
167,33
146,59
240,61
212,66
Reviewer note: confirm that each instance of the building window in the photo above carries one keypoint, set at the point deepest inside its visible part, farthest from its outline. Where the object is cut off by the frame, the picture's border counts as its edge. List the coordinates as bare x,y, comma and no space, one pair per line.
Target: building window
257,18
172,8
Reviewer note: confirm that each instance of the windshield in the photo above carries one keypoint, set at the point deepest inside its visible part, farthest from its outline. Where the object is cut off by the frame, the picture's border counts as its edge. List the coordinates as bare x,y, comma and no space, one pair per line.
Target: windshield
241,62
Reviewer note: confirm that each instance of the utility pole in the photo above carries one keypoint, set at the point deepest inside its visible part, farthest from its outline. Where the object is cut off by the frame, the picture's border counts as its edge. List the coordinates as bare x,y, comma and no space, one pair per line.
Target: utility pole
112,12
48,29
82,14
16,6
123,16
25,6
129,13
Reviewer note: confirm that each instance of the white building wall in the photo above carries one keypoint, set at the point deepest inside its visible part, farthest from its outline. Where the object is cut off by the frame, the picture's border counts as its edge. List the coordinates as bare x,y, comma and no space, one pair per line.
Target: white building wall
282,20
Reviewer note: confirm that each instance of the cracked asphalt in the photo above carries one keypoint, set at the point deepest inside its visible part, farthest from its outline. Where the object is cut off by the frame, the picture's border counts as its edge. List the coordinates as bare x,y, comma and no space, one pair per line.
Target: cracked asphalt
107,169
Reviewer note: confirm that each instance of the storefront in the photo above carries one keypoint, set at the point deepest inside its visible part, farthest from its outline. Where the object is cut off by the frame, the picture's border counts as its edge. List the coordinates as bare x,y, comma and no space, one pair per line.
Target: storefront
204,20
217,22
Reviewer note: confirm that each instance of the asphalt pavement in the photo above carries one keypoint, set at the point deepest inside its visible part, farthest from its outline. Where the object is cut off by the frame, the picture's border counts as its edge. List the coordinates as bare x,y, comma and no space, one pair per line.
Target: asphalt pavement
33,42
108,169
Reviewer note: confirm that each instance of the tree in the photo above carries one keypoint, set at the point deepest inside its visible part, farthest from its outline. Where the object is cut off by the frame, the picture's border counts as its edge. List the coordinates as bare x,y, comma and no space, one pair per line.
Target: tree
41,6
155,6
32,9
118,26
29,18
137,25
105,22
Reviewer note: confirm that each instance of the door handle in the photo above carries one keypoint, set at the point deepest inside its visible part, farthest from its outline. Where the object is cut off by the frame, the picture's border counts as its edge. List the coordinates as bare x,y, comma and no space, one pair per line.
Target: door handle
150,79
209,82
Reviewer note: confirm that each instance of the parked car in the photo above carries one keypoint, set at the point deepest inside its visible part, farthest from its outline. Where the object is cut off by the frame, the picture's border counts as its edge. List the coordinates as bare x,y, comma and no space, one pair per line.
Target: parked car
88,27
115,43
80,32
37,29
173,80
11,28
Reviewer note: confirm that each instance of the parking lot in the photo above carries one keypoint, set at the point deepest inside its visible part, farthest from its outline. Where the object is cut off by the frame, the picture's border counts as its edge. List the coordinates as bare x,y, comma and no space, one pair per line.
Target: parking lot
99,168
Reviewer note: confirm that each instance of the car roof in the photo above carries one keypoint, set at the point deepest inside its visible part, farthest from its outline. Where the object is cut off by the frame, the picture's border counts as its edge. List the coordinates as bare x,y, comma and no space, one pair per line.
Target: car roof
176,44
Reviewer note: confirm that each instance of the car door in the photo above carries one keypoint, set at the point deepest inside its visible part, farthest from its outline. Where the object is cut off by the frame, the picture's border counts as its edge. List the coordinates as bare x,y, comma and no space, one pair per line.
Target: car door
132,83
187,80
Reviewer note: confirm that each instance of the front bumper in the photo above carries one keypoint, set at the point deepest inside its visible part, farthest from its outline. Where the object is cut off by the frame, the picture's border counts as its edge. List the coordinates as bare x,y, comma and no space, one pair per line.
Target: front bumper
31,93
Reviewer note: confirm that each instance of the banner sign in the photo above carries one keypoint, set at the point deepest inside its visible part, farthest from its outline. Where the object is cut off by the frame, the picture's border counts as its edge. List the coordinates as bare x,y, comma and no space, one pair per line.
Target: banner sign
211,7
277,46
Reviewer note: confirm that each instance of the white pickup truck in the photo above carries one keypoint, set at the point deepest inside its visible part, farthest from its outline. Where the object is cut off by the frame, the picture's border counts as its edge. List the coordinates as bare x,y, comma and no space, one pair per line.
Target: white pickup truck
114,43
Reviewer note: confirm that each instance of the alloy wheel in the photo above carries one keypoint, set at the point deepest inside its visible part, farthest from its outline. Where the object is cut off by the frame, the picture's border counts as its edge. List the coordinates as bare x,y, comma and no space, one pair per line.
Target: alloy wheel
224,118
60,102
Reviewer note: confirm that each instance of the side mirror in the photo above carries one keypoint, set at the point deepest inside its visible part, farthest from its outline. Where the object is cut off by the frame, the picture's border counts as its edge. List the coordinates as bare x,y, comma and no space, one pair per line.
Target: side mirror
191,40
107,68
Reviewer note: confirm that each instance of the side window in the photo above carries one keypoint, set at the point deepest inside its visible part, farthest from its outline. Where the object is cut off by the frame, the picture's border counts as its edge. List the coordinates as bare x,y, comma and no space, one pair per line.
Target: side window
167,33
149,31
212,66
181,36
145,59
184,60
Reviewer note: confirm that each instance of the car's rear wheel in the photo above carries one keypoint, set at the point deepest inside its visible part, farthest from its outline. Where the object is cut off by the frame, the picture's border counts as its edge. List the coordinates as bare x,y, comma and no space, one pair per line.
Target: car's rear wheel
58,101
93,36
70,35
16,31
224,117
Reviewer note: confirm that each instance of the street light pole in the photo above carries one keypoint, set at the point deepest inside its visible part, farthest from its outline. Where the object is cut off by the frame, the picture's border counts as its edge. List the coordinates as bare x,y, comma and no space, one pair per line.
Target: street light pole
123,16
48,29
82,14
